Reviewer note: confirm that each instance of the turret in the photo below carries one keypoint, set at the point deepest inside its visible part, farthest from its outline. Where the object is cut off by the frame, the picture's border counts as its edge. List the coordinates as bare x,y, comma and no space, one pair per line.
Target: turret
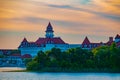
117,38
49,31
24,41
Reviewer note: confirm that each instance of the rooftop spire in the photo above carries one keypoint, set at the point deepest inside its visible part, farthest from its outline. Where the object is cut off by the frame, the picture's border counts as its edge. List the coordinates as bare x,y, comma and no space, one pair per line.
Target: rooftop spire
24,40
49,28
117,36
49,31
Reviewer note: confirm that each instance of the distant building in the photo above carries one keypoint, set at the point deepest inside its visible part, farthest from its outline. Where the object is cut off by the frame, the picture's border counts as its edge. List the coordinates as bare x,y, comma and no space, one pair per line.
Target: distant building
49,41
44,43
5,51
30,49
86,44
12,58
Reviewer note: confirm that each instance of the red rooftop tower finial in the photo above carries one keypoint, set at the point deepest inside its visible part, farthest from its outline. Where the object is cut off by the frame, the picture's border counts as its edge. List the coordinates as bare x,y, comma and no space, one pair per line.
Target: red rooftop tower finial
86,41
49,31
24,40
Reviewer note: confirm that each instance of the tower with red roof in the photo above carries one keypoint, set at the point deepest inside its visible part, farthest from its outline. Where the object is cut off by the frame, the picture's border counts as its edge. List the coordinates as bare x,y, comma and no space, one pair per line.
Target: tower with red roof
49,41
43,43
117,38
86,43
49,31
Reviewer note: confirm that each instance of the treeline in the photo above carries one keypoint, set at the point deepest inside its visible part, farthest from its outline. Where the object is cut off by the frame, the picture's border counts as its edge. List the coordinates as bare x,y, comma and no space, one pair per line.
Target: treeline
101,59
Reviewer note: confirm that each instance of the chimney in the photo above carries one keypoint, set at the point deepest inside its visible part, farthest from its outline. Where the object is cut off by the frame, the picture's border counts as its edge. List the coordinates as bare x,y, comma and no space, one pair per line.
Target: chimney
110,39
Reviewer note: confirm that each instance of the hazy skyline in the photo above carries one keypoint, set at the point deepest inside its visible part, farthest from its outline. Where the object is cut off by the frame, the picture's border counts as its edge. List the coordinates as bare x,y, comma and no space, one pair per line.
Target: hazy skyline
72,20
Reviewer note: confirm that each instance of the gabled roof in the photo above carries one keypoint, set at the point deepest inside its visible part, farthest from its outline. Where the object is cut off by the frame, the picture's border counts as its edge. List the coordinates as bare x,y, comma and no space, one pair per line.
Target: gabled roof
86,41
117,36
29,44
109,43
26,56
55,40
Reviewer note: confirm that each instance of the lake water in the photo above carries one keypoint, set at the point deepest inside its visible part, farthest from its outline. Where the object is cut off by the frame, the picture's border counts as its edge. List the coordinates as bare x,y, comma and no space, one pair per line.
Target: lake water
57,76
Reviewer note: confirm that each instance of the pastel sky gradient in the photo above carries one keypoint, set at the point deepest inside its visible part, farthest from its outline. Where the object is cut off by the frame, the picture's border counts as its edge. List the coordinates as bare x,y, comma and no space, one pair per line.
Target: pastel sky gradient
72,20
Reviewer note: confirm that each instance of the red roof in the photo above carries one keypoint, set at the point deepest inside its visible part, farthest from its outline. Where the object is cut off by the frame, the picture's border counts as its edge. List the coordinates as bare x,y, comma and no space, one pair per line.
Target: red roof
49,25
49,28
86,41
26,56
109,43
117,36
56,40
24,40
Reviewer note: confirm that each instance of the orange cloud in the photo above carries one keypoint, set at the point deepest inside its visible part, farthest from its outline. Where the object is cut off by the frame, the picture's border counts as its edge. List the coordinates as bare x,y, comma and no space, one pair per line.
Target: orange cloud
73,17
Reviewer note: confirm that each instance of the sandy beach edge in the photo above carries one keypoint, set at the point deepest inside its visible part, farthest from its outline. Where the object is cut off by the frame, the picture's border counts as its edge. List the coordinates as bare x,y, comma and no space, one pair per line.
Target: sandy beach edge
8,69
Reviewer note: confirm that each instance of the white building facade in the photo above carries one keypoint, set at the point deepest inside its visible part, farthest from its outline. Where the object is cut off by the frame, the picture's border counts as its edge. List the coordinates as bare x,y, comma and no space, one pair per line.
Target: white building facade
45,43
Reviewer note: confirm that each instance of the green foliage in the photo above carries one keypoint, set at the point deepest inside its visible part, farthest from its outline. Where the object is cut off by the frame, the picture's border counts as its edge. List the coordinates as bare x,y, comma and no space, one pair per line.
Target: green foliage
27,60
104,58
107,57
33,65
2,56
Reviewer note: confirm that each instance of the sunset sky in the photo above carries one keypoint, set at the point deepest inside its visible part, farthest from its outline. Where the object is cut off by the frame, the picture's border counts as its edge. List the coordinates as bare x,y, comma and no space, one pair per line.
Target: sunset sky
72,20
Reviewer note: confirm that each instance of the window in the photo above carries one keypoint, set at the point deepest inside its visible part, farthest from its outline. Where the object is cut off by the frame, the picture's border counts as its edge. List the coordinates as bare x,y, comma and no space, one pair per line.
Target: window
85,45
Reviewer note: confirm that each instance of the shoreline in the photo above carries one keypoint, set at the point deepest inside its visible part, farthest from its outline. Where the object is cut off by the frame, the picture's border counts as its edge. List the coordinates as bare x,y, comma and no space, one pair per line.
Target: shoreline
12,69
23,69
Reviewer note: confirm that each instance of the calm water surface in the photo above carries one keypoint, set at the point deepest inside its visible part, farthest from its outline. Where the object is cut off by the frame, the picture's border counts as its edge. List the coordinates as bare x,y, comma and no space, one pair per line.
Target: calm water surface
57,76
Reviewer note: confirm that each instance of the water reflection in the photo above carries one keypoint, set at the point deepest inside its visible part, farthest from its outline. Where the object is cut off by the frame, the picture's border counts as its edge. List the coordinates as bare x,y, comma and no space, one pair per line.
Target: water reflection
57,76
